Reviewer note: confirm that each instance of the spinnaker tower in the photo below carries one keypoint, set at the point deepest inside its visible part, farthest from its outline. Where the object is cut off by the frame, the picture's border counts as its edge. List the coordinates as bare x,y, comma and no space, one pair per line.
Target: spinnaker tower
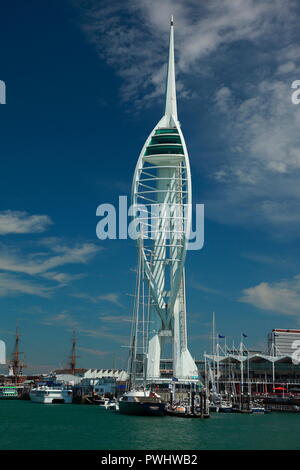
161,199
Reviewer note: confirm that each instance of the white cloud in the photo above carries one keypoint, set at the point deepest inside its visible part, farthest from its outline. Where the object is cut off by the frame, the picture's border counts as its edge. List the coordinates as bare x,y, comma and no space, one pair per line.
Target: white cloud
22,222
115,319
209,290
102,333
11,285
62,278
280,297
257,164
258,182
132,36
39,263
67,320
112,297
93,352
274,260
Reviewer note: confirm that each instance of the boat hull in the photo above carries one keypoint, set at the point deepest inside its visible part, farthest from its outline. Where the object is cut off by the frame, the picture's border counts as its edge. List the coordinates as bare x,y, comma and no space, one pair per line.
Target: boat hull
225,409
141,408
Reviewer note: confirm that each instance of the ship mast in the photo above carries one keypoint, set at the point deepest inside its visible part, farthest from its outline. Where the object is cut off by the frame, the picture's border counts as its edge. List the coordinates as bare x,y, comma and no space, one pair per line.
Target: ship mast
16,364
73,356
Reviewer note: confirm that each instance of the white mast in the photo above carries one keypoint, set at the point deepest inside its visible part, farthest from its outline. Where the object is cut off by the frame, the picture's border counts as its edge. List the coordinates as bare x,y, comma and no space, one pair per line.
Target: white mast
171,102
214,348
242,365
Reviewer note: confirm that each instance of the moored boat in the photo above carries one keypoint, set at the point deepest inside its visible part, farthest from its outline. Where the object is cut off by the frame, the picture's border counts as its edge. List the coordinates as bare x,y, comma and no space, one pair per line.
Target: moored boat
8,392
224,407
108,404
141,402
50,394
258,408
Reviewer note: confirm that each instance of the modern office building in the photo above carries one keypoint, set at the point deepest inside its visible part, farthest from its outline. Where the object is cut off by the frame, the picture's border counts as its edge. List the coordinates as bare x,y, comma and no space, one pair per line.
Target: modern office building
284,341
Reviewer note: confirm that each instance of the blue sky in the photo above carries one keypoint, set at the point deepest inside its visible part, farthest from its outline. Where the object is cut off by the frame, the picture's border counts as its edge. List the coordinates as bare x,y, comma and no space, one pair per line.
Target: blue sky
85,83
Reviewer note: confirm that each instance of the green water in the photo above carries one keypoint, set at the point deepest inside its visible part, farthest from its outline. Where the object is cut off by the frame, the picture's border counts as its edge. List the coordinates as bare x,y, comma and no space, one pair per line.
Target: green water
26,425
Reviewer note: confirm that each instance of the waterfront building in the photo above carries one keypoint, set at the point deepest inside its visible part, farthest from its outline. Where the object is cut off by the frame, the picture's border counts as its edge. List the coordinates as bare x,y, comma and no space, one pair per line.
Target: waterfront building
258,372
102,382
284,341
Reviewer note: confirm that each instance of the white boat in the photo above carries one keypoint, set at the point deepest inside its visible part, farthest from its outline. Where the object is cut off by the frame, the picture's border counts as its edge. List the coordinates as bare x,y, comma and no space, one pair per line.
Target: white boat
8,392
55,393
257,408
109,404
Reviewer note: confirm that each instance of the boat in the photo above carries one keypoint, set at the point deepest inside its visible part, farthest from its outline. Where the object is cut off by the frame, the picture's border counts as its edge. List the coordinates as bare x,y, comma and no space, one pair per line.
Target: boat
141,402
108,404
113,405
224,407
51,393
103,402
8,392
258,408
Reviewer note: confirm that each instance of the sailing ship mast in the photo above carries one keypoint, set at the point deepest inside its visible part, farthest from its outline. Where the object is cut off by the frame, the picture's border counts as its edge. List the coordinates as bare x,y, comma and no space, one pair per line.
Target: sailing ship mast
16,364
73,357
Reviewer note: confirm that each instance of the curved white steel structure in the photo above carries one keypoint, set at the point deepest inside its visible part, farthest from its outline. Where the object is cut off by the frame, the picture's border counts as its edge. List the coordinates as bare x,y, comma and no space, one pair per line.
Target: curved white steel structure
161,197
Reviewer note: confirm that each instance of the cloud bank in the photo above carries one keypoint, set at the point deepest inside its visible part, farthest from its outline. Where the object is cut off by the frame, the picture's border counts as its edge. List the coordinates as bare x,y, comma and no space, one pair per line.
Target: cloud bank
17,222
279,297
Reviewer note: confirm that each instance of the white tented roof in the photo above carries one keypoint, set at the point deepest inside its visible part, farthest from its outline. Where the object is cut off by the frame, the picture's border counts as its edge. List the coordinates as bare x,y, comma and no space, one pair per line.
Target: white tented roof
257,357
117,374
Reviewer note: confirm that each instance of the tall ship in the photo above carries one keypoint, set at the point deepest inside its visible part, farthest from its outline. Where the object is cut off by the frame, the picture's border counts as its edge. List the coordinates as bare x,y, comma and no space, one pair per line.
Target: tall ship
162,187
16,365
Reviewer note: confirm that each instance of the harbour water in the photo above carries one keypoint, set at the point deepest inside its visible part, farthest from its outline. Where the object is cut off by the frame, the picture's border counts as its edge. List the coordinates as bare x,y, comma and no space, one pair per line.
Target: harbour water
27,425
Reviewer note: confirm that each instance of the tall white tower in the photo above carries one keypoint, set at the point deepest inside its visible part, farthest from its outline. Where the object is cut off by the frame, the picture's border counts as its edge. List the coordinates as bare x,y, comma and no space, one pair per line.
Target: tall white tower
162,196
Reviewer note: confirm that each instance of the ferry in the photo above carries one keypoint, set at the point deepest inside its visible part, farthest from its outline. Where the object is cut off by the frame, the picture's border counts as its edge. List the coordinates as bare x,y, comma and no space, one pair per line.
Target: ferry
8,392
141,402
50,394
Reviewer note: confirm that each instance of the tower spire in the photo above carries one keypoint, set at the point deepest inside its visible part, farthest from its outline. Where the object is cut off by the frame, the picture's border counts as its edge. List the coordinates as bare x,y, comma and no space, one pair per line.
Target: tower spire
171,103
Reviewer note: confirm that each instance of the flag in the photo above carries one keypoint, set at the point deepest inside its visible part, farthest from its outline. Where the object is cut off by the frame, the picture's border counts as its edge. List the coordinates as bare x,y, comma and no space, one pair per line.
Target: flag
245,336
221,337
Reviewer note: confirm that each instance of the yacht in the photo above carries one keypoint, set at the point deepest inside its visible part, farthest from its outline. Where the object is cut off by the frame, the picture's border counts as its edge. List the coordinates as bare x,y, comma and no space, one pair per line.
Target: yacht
224,407
56,393
141,402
